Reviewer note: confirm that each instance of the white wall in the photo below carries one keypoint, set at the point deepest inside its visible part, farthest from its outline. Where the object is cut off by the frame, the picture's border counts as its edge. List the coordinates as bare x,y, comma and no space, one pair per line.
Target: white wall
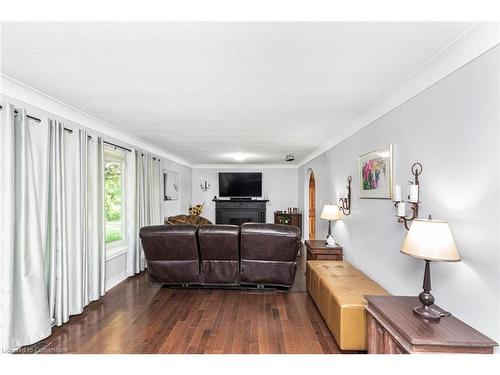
42,106
452,128
280,185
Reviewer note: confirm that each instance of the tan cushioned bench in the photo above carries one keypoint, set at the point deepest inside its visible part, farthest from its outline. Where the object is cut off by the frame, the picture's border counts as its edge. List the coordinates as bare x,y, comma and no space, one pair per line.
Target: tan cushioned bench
338,288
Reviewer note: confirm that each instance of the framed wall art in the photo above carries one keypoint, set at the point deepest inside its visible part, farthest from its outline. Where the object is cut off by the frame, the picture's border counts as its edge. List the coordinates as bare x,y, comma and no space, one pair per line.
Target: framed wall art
375,174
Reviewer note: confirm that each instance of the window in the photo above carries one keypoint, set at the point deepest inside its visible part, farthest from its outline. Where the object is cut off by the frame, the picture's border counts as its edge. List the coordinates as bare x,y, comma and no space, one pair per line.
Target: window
114,200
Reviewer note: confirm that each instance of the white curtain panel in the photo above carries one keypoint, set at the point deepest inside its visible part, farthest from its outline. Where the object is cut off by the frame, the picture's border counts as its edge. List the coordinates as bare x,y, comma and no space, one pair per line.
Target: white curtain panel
56,261
24,308
97,241
131,213
75,264
145,192
154,191
52,243
86,238
136,262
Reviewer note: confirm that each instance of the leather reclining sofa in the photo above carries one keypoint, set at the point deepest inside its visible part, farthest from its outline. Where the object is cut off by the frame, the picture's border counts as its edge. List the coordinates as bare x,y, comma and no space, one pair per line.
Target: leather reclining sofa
261,255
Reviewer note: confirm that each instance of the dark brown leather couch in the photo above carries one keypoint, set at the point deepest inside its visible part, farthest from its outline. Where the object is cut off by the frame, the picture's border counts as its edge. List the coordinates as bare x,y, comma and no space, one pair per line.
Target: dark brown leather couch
259,255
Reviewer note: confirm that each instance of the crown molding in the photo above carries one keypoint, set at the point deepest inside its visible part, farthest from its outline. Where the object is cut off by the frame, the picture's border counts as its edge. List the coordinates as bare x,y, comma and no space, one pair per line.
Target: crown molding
475,41
29,95
244,166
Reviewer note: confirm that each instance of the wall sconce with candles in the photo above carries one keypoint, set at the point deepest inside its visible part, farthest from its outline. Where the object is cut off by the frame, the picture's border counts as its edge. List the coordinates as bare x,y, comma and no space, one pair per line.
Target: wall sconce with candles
344,198
413,198
205,185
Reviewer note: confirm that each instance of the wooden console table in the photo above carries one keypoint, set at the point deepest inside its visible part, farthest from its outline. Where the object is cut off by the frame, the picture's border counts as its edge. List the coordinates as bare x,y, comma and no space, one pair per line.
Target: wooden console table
394,329
317,250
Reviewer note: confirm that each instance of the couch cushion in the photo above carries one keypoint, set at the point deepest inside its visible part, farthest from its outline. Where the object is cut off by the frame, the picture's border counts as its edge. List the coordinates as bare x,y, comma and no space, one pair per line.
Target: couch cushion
269,242
219,251
219,242
170,242
172,253
268,254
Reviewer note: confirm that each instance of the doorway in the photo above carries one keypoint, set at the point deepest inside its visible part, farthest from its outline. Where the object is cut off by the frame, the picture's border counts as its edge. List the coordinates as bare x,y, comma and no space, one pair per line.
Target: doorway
312,207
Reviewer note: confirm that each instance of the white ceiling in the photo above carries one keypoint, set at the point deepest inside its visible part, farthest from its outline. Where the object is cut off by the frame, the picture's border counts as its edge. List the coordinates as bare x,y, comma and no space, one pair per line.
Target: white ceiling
206,90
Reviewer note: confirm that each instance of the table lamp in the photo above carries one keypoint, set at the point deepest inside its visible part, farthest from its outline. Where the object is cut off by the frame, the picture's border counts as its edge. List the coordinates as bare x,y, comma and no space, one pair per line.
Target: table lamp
430,240
330,212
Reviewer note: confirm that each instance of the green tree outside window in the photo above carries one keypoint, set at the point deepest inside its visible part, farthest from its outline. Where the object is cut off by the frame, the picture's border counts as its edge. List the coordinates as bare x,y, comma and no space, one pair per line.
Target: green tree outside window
113,200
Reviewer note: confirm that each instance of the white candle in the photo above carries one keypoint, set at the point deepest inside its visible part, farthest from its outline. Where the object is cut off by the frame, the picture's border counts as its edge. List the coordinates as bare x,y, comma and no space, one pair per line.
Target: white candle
401,209
397,193
413,193
338,196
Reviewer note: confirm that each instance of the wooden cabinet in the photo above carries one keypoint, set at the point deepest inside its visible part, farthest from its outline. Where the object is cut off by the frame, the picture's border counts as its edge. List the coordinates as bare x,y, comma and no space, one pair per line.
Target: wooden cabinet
317,250
288,219
375,344
393,329
379,339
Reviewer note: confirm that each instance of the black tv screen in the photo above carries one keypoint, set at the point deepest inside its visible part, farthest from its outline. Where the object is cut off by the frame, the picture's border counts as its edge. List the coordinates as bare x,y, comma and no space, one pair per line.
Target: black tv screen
232,184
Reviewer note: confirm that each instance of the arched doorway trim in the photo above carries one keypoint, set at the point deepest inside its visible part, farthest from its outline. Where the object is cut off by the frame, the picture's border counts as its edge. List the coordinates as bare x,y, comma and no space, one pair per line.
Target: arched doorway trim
309,225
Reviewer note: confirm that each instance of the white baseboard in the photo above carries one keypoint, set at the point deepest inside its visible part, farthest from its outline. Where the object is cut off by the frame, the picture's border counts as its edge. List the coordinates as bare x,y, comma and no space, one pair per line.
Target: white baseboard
115,280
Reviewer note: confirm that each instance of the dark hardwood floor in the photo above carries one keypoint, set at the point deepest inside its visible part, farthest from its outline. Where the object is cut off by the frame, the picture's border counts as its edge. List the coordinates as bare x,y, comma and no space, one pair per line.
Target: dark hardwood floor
136,317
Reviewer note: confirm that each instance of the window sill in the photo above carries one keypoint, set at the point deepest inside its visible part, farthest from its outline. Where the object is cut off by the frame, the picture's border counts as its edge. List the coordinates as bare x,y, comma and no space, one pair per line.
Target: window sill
115,251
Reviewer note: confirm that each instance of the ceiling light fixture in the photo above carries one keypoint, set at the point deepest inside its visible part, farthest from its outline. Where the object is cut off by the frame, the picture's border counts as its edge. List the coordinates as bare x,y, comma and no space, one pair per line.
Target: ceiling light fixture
290,156
239,156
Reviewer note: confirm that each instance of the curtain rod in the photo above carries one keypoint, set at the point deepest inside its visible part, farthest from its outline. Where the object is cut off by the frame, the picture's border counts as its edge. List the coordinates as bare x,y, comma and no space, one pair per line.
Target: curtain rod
30,117
117,146
37,119
71,132
154,158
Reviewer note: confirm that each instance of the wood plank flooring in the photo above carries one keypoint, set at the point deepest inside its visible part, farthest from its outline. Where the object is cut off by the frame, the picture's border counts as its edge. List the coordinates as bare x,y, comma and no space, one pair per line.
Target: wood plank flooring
136,317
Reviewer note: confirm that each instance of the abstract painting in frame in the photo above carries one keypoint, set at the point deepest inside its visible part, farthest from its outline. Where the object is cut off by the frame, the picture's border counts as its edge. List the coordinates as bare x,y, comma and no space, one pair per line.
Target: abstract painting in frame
375,174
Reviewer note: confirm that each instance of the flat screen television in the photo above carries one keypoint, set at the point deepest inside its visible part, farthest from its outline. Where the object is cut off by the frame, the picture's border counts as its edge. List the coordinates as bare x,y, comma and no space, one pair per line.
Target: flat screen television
240,185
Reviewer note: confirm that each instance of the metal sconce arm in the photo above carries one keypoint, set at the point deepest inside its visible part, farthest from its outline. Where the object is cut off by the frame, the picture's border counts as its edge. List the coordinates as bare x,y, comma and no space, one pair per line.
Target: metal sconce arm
205,186
345,203
416,170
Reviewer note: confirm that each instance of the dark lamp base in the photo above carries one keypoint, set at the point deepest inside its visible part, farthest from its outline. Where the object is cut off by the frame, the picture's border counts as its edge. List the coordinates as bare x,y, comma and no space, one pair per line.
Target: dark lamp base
427,312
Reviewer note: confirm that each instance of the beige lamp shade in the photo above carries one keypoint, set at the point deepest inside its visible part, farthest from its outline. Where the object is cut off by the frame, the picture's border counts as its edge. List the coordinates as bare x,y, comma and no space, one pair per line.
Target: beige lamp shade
430,240
331,212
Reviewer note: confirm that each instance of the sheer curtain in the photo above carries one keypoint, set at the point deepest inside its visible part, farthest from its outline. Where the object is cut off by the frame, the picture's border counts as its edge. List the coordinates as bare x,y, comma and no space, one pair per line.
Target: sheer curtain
25,315
145,192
